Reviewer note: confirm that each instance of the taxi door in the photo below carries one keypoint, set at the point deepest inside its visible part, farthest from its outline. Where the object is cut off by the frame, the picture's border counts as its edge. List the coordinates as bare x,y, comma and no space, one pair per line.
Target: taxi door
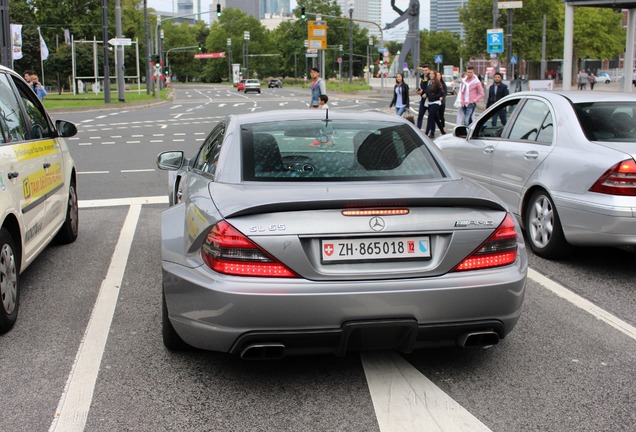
21,166
49,184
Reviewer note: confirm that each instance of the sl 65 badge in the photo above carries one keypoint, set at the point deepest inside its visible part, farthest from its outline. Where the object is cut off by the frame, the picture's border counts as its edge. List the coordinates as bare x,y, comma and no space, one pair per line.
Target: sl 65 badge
267,228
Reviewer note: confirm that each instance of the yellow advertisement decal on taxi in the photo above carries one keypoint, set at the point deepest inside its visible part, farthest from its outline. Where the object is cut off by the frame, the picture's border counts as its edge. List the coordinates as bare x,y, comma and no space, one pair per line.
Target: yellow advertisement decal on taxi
42,182
34,149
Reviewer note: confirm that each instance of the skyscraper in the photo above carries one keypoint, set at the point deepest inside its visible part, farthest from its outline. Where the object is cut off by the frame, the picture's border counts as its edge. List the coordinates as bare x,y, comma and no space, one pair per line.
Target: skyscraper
366,10
445,15
275,7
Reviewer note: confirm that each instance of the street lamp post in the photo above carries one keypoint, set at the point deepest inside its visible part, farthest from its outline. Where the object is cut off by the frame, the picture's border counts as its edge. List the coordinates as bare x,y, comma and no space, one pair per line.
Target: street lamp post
246,37
369,62
306,43
340,62
350,42
229,59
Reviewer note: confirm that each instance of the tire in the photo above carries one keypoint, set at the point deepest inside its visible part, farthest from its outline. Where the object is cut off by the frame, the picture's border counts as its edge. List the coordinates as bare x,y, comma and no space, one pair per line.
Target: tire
70,227
543,227
171,340
9,282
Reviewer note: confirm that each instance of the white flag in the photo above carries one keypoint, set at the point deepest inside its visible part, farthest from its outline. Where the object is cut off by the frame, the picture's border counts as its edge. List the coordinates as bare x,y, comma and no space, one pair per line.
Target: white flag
16,41
67,36
44,51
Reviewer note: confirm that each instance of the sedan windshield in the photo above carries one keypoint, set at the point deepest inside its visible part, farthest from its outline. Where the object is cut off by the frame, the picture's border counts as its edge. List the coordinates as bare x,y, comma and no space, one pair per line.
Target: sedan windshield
324,150
608,121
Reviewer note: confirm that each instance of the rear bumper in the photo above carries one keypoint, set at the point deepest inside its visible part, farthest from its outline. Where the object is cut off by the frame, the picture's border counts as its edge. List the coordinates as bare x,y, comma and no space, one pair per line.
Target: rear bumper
220,313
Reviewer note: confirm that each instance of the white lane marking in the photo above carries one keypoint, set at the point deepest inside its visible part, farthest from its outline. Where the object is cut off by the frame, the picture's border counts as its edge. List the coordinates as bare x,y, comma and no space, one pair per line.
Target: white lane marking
108,143
133,142
176,106
85,144
138,170
72,410
222,105
156,141
115,202
93,172
164,126
179,115
405,400
582,303
136,136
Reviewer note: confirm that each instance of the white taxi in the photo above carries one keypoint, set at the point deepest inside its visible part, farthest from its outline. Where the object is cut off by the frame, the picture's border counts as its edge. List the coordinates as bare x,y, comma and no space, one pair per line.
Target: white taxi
38,196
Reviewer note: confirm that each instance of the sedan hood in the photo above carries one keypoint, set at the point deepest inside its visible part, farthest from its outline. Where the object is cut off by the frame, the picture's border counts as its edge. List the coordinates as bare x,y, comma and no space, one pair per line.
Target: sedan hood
252,198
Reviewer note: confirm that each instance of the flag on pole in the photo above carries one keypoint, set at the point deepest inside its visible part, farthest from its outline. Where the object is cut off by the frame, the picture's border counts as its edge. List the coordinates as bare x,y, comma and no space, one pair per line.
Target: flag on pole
44,51
16,40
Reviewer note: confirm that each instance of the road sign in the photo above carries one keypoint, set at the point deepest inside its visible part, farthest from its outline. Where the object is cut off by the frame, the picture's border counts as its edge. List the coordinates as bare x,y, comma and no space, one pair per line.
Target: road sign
120,41
439,58
495,40
510,5
317,34
210,55
382,50
513,59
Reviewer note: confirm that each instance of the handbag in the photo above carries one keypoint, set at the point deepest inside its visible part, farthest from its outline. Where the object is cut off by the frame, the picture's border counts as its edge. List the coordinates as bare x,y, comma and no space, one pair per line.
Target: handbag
457,103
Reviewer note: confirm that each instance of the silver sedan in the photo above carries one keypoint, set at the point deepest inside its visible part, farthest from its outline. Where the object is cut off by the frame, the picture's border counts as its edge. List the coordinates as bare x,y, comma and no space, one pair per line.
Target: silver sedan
564,163
323,232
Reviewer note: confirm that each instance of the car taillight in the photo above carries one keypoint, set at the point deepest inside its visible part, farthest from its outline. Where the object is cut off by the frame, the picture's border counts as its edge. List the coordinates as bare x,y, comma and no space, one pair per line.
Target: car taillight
228,251
500,249
618,180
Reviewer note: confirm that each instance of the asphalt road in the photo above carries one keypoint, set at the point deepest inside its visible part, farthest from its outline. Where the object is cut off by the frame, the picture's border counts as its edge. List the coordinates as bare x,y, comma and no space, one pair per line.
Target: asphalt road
86,353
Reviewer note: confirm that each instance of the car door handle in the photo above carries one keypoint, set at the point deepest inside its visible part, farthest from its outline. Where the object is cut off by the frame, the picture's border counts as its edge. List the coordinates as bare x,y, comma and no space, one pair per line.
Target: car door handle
12,175
46,165
489,149
531,155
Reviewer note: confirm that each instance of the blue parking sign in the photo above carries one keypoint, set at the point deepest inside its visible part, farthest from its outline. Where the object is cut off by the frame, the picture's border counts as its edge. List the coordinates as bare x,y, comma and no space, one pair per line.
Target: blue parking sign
495,40
513,59
439,58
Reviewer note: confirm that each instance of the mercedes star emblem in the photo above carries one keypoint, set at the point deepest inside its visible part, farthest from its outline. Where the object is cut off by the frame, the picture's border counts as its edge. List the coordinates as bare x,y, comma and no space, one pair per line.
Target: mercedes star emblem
377,223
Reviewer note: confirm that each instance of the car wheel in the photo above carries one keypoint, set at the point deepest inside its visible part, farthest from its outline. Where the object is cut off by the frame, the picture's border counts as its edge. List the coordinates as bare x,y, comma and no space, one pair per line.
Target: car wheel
9,286
607,82
543,227
70,227
171,339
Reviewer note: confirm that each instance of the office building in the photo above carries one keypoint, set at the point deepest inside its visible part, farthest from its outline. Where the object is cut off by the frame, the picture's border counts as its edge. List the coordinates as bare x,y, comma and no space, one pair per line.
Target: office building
445,15
365,10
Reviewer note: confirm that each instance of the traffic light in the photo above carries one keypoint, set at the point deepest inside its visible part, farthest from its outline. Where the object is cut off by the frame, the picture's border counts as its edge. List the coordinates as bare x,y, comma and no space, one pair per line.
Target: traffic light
381,59
157,59
166,71
218,10
303,15
200,47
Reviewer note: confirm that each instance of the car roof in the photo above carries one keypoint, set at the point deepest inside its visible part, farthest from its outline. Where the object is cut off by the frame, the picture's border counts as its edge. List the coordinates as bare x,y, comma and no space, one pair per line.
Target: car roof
581,97
309,114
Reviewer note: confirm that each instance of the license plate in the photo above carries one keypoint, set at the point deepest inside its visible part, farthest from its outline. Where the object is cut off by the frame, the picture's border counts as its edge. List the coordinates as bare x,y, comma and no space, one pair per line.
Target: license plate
385,248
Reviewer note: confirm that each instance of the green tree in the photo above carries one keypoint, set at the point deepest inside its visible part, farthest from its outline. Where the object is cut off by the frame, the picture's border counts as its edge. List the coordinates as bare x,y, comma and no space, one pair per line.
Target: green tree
598,32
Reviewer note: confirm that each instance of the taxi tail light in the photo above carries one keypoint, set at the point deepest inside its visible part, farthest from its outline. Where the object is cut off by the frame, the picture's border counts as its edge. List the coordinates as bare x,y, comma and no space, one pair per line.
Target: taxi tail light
618,180
226,250
500,249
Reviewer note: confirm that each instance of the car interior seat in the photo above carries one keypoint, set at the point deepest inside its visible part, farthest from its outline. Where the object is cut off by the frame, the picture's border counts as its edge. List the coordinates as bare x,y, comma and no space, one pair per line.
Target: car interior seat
378,152
267,156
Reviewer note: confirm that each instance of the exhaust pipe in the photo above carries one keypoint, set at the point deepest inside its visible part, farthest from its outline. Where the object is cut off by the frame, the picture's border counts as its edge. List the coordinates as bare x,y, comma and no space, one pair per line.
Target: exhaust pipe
482,339
263,351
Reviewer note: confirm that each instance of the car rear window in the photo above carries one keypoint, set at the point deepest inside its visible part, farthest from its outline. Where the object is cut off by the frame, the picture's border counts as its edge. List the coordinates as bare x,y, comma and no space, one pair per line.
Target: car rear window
608,121
321,150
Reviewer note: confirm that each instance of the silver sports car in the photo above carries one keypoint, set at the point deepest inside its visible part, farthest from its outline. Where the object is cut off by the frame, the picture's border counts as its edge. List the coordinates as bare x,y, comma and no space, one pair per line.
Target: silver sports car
317,231
564,163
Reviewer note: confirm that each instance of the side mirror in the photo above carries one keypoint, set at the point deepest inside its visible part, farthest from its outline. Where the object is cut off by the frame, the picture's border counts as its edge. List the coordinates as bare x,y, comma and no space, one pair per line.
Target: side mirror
170,160
65,128
460,131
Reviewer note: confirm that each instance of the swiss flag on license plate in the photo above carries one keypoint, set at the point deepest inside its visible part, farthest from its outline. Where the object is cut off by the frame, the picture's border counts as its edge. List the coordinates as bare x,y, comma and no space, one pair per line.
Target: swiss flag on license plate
328,249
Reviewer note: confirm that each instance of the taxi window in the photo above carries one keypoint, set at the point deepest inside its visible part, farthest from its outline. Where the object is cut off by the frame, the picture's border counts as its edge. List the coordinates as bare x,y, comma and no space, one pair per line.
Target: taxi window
40,127
13,126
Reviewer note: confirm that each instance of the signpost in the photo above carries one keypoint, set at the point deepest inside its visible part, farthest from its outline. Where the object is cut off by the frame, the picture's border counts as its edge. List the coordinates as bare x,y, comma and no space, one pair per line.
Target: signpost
120,41
209,55
495,40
